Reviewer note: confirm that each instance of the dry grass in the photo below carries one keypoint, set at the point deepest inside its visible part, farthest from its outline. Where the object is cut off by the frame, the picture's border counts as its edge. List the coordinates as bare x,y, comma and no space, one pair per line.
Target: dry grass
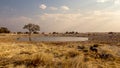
57,55
49,55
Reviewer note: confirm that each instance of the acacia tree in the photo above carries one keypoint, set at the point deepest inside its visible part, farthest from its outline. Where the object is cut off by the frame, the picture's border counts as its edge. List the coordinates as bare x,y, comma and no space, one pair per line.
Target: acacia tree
31,28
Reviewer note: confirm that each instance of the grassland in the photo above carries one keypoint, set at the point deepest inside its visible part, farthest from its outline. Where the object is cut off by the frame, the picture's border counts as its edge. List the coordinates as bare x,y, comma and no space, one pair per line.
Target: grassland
14,54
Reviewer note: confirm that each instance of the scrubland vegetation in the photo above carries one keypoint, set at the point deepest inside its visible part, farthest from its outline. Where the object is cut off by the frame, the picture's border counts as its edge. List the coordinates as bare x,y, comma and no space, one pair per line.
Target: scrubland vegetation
58,55
87,54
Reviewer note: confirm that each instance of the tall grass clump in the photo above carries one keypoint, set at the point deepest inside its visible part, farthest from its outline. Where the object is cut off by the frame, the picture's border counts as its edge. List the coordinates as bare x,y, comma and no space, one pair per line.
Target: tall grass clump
35,60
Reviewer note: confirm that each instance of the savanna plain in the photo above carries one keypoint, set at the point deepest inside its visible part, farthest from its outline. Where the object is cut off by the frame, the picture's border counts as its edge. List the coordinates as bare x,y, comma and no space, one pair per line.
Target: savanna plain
81,54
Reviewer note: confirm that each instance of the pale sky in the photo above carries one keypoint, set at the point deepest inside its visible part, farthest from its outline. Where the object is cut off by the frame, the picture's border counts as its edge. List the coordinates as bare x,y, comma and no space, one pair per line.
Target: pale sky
61,15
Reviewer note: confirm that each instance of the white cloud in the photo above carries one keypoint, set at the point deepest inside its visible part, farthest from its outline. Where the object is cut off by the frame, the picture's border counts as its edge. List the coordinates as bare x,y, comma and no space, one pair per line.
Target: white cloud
103,12
117,1
55,22
114,1
102,1
65,8
43,6
53,8
95,21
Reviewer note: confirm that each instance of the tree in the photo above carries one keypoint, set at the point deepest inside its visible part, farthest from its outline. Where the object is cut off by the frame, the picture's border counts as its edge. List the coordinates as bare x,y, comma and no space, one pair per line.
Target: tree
66,32
19,32
4,30
31,28
110,32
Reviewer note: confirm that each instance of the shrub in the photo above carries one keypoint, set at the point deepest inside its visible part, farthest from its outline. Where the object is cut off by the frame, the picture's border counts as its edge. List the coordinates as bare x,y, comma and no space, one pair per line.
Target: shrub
4,30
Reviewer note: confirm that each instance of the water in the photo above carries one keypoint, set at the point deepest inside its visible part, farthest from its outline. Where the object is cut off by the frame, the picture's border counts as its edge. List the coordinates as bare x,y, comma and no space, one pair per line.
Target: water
61,39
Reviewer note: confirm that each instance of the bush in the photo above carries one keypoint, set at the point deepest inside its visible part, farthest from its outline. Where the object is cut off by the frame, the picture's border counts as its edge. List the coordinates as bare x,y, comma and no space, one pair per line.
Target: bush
4,30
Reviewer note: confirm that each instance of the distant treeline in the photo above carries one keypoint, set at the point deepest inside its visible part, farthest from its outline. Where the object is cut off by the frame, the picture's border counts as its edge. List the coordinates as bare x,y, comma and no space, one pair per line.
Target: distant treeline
6,30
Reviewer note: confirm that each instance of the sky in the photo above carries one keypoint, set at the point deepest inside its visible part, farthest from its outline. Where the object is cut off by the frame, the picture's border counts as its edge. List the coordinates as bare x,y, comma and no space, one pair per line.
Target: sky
61,15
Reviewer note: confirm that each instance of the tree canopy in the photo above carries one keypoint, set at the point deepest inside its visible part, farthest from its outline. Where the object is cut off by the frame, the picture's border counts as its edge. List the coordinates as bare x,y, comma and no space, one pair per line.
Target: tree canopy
32,27
4,30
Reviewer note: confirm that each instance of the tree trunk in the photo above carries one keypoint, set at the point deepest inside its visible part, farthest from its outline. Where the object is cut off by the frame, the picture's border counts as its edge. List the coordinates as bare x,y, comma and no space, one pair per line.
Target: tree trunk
30,37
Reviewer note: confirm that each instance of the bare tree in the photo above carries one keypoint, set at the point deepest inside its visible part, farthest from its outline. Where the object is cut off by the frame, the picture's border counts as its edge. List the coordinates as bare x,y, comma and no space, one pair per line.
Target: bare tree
31,28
